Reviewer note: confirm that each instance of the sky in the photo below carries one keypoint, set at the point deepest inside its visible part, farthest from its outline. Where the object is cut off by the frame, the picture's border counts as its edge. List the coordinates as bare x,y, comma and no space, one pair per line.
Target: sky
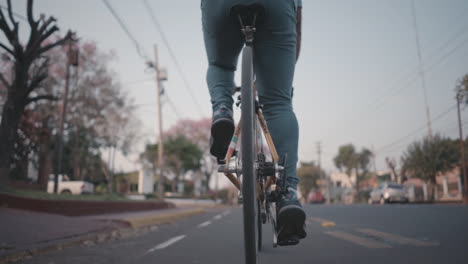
357,81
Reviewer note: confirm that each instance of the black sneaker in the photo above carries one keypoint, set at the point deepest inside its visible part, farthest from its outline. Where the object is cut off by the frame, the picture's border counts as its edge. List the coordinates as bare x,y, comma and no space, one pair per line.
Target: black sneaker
222,129
291,219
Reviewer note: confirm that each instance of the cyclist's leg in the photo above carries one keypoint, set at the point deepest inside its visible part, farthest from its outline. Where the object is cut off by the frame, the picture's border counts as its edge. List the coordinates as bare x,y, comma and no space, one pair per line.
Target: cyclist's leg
275,59
223,43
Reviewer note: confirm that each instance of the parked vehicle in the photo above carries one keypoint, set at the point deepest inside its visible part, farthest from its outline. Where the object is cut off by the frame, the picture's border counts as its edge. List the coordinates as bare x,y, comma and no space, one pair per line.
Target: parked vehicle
389,192
316,197
66,186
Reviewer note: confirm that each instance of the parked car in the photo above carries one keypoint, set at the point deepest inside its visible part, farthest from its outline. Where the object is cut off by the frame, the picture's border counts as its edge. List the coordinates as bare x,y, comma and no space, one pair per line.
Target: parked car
389,192
316,197
66,186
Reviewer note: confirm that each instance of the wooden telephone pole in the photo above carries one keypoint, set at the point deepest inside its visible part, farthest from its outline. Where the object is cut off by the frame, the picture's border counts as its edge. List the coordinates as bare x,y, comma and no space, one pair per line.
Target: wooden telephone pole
462,149
161,75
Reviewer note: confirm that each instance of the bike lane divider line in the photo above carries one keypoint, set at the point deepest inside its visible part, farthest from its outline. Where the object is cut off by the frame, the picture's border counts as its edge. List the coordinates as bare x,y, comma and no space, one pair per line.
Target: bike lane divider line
217,217
167,243
368,243
206,223
398,238
225,213
322,222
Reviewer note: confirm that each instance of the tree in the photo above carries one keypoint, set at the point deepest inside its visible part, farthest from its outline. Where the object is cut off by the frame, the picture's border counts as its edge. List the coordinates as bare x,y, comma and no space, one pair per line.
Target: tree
348,160
198,131
309,174
424,159
180,156
462,89
30,70
99,115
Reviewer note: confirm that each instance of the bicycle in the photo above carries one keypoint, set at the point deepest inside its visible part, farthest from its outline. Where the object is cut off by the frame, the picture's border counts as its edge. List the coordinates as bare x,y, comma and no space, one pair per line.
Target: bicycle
260,182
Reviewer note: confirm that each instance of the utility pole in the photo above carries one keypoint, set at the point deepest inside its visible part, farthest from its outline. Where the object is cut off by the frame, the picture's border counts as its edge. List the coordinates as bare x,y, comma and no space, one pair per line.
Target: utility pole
421,69
462,149
322,177
161,75
72,60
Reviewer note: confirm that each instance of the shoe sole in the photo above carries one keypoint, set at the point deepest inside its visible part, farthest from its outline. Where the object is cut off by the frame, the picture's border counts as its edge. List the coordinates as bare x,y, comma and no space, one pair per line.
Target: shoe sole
221,132
293,217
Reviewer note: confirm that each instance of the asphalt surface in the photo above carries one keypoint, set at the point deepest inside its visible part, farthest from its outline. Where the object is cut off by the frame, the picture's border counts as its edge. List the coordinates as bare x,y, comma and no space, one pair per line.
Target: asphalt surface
336,234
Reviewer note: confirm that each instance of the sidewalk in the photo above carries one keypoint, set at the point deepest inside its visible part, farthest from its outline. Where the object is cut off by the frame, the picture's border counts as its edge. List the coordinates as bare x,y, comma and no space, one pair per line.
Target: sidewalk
27,231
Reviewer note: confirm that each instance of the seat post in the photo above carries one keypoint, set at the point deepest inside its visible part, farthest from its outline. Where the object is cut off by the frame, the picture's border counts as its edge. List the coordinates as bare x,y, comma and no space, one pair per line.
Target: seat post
248,30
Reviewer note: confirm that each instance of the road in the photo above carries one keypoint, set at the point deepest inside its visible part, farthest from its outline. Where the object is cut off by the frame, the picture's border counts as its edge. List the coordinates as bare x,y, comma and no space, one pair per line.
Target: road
336,234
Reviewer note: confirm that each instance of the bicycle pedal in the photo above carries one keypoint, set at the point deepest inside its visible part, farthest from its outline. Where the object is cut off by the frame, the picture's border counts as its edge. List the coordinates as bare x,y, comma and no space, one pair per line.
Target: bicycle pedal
288,242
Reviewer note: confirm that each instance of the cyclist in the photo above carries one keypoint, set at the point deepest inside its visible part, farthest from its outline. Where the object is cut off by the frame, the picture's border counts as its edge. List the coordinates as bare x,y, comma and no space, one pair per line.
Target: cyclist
276,49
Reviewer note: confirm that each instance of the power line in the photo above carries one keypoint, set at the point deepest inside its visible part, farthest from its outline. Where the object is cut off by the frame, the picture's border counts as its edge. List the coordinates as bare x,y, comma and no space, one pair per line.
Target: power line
138,81
174,108
418,129
14,13
172,55
411,76
411,81
422,74
432,54
126,30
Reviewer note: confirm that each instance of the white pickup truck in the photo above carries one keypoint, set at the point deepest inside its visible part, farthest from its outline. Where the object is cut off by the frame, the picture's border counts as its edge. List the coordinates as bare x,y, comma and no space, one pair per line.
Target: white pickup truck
69,187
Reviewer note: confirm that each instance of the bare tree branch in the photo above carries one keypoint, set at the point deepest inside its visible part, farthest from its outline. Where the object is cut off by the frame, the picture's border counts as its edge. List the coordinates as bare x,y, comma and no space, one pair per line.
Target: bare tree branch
4,81
4,25
57,43
7,49
41,97
30,15
48,33
10,13
46,24
15,25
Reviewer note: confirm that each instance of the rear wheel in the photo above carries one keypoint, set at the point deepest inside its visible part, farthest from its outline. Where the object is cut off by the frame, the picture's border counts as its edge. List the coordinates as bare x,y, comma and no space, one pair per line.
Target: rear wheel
259,225
248,157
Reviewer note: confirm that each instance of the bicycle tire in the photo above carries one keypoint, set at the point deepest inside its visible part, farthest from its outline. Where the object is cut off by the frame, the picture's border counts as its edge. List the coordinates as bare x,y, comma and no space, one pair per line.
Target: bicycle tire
259,226
248,157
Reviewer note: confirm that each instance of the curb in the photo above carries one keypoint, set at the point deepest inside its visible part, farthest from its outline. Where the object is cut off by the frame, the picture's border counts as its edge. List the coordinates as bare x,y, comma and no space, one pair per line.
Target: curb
125,230
163,218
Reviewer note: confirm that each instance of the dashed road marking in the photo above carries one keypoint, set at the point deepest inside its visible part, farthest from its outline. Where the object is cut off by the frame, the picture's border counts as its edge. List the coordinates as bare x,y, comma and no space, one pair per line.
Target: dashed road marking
369,243
204,224
167,243
217,217
319,220
397,238
328,224
225,213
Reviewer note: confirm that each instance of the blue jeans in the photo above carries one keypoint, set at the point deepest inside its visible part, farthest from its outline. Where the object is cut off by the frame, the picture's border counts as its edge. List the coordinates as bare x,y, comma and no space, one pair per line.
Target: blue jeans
274,59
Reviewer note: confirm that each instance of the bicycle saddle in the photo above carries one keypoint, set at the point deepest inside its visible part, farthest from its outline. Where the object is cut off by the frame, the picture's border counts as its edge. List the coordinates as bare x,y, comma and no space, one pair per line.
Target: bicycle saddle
248,12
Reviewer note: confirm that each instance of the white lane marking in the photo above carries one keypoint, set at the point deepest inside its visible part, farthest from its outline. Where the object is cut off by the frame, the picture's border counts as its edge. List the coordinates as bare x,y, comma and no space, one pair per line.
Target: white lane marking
204,224
217,217
397,238
167,243
369,243
226,212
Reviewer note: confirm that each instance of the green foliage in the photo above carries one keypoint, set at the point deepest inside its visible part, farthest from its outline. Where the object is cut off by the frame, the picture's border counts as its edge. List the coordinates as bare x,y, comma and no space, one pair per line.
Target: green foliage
462,89
424,159
180,156
348,160
309,174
